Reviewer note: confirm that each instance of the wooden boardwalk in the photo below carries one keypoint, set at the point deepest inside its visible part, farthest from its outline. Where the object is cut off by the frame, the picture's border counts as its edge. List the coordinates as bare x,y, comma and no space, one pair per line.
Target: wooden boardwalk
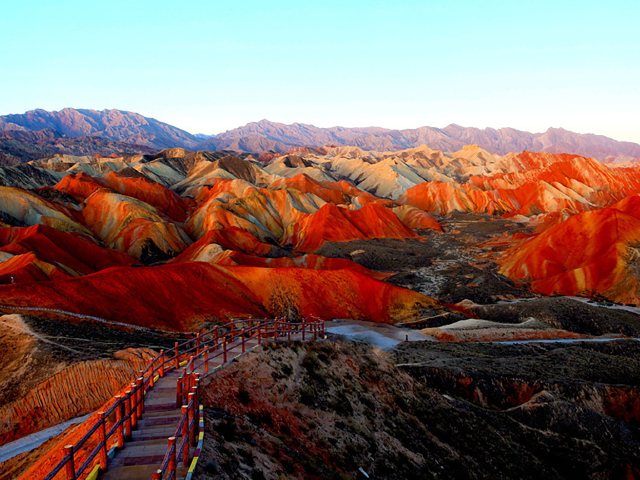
146,450
156,429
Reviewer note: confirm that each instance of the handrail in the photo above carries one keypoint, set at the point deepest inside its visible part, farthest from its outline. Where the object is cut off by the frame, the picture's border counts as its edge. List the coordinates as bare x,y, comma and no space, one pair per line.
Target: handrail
219,339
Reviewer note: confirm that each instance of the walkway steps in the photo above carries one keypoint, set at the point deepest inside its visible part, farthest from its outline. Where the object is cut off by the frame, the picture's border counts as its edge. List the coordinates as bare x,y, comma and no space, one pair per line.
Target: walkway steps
145,451
158,433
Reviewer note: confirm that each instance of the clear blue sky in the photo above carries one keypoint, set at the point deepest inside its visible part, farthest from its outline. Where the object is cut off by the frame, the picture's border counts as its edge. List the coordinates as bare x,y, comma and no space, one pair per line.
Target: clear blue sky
209,66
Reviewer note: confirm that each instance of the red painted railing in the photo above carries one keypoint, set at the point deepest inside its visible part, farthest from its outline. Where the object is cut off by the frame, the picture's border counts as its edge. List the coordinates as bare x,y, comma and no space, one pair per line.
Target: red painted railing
199,351
187,386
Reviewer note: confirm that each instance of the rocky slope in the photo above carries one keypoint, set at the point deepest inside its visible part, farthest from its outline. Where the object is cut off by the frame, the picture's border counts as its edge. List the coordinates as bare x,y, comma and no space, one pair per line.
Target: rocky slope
424,411
52,372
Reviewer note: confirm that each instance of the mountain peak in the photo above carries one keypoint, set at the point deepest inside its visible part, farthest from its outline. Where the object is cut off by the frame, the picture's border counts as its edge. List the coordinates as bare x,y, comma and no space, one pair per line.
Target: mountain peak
112,125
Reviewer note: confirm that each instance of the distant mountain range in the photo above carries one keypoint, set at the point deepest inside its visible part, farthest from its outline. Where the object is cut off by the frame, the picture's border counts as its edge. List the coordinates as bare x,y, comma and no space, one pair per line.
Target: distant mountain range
17,146
113,125
258,137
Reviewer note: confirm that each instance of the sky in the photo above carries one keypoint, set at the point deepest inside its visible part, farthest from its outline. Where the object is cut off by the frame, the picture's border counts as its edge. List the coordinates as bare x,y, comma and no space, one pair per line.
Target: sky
210,66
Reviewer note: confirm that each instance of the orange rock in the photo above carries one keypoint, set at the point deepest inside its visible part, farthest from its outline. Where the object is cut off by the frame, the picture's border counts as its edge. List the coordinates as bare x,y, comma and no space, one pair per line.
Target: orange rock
233,238
588,253
415,218
80,186
130,225
181,296
335,224
338,193
149,192
315,262
76,253
538,183
74,391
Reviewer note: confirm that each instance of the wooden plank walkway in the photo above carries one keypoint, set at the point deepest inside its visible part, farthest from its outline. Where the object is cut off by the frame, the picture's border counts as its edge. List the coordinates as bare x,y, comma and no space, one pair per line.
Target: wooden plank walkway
145,451
160,438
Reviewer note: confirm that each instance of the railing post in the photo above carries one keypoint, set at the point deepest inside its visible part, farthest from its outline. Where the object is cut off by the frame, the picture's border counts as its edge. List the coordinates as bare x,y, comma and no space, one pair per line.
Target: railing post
120,430
217,337
161,363
134,408
157,475
315,331
243,332
304,328
151,379
185,434
259,332
288,331
206,360
179,391
197,390
177,357
184,389
102,438
127,412
191,362
192,431
172,458
140,396
198,343
224,355
194,390
70,467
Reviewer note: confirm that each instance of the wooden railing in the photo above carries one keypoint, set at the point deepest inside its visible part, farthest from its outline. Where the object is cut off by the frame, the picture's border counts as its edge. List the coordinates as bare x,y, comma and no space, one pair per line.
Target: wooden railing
191,355
212,345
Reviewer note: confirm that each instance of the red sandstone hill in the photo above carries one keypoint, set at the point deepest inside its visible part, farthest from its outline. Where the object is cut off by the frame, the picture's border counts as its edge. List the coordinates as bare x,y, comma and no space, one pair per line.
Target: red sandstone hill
554,183
149,192
41,253
590,253
317,262
183,295
331,192
232,238
74,252
335,224
205,203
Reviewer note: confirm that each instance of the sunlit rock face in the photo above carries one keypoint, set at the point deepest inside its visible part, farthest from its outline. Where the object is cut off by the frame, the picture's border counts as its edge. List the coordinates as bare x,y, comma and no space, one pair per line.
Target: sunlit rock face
207,223
592,252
